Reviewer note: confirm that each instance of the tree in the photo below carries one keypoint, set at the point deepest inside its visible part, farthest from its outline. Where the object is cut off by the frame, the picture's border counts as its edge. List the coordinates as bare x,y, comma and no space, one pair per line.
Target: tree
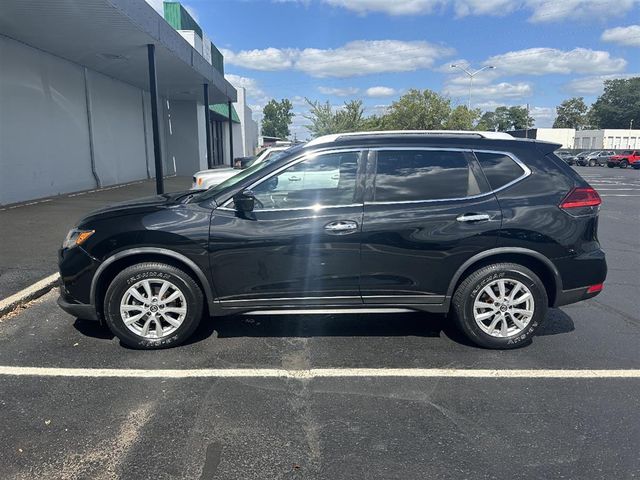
461,118
276,118
325,120
506,118
618,105
418,110
572,113
519,118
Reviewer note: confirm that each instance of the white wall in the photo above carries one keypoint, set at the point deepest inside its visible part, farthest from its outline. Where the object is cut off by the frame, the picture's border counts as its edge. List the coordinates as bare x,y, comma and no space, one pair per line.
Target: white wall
118,128
248,127
563,136
45,136
44,133
186,142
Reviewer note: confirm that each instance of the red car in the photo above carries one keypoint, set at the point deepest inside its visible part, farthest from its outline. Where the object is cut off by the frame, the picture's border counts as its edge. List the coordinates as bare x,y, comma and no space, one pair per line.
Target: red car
624,159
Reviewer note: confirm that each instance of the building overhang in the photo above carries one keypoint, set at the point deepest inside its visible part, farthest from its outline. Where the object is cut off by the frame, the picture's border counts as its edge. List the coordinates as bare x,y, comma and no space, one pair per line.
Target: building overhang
111,37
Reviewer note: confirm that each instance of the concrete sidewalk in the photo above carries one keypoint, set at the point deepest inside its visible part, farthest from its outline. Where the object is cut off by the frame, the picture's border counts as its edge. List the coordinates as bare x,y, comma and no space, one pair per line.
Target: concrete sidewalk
31,233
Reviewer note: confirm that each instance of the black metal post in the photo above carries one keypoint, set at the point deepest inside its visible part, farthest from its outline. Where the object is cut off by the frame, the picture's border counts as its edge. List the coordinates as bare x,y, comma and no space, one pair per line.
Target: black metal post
230,135
153,89
207,124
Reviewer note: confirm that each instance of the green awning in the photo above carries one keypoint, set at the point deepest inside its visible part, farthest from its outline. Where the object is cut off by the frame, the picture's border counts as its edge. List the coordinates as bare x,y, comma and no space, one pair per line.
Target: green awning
222,110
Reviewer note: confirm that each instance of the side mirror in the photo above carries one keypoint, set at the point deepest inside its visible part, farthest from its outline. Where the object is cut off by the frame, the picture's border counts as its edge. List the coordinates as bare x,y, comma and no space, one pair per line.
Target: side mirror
244,201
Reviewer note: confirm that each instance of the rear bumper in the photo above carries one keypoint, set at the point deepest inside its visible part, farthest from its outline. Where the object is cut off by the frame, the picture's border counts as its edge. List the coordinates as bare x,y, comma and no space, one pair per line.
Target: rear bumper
567,297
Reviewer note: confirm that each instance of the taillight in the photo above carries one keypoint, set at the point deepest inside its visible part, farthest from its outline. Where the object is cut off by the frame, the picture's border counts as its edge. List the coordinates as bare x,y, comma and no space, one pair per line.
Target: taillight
581,197
595,288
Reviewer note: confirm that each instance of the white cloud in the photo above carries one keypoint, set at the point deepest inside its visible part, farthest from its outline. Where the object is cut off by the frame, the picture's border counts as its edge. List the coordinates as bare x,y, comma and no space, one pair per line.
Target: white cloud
623,35
544,116
360,57
339,92
593,85
556,10
542,61
499,90
268,59
540,10
380,91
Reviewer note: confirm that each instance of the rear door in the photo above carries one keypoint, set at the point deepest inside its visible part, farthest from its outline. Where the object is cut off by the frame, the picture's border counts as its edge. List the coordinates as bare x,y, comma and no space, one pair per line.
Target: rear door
426,212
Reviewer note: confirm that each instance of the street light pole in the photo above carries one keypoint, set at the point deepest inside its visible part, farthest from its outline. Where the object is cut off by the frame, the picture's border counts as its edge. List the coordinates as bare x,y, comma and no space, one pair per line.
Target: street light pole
471,75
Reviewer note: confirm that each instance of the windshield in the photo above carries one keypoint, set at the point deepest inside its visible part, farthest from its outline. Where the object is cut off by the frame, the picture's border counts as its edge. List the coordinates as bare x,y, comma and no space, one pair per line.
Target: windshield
232,181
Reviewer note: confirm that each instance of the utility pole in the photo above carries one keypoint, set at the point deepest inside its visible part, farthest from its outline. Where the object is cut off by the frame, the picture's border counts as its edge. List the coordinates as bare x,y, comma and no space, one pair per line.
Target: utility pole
630,128
471,75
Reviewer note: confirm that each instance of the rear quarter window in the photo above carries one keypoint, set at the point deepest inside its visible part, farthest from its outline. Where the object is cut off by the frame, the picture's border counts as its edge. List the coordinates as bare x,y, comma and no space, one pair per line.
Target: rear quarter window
500,169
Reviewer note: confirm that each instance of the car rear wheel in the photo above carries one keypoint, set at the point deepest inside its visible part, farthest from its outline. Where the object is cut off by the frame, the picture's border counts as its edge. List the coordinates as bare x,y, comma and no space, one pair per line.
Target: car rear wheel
592,163
500,306
153,305
610,165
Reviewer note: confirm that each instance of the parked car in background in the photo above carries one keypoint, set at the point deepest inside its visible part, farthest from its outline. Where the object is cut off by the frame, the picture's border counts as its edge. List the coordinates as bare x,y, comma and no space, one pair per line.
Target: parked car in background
599,158
565,156
491,229
624,159
210,178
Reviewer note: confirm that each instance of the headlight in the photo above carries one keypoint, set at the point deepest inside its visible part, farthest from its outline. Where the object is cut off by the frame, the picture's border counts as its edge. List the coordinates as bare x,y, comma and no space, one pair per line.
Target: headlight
76,237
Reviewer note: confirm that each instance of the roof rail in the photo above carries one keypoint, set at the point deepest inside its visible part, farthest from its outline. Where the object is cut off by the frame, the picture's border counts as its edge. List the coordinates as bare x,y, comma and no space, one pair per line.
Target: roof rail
488,135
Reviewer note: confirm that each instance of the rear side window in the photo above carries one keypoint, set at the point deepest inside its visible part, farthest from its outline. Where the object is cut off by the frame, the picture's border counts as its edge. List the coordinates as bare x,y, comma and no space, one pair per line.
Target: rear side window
500,169
410,175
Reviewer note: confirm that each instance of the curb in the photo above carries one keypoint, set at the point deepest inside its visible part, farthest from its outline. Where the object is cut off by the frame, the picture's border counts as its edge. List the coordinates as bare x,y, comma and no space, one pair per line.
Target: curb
30,293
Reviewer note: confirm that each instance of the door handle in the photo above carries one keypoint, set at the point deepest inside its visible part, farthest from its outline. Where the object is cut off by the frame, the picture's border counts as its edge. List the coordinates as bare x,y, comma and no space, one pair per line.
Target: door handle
341,227
474,217
294,179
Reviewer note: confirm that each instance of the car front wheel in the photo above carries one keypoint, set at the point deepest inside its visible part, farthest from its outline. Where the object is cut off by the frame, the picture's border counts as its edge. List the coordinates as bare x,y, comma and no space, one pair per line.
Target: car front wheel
624,164
153,305
500,306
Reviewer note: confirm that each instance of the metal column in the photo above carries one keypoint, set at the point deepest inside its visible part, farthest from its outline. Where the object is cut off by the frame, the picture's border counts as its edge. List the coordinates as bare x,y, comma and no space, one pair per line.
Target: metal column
155,121
207,124
230,135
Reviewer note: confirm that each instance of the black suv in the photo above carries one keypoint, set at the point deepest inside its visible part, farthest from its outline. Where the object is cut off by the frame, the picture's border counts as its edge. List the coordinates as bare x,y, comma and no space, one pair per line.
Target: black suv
490,229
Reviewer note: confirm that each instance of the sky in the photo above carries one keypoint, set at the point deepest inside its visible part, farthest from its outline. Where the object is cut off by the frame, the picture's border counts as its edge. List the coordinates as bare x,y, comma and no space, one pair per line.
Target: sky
543,51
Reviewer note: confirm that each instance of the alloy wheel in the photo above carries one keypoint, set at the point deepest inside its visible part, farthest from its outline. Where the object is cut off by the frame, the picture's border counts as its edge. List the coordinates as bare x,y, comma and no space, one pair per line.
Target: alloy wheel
503,308
153,308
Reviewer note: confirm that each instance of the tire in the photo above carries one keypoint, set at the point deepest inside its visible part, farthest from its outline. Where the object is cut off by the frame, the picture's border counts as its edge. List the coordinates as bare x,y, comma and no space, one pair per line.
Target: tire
473,288
184,312
610,165
624,164
592,163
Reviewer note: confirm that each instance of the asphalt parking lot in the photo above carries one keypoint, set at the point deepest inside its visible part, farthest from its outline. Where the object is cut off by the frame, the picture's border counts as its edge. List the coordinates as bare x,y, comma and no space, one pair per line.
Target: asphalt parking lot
522,414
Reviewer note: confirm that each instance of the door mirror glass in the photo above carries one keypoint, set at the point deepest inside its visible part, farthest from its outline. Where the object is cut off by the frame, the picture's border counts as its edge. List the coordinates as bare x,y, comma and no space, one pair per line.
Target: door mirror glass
245,201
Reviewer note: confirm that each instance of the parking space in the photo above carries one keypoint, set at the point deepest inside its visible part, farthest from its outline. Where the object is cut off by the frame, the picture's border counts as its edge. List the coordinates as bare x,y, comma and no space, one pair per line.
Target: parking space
567,406
32,232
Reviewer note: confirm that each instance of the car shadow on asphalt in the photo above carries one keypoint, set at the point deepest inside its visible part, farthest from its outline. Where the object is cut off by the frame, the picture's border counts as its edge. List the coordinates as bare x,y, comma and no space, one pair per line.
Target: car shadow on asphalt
347,325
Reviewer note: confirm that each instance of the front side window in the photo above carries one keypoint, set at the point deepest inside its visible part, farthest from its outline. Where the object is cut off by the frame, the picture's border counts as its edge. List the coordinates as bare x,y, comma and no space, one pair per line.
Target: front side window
323,180
414,175
500,169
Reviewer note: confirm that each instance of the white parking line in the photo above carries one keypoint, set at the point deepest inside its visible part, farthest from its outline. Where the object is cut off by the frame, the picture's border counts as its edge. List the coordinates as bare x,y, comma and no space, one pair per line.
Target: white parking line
314,373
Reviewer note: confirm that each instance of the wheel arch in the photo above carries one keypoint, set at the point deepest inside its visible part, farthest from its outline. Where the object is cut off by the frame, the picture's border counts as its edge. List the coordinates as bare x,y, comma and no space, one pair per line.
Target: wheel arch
110,267
535,261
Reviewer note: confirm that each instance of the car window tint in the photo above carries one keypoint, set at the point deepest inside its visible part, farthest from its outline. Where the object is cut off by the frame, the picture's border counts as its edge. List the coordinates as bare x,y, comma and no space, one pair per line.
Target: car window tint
500,169
409,175
325,180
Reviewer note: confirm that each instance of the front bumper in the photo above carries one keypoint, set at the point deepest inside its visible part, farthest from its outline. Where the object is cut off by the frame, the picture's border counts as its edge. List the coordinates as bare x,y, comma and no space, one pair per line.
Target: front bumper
79,310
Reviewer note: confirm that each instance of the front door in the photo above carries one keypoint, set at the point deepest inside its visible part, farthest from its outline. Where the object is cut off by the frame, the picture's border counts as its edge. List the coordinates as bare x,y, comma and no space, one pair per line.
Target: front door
429,210
301,244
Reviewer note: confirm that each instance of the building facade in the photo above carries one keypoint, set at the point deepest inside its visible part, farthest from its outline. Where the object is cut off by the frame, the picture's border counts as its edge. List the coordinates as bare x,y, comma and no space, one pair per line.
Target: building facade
613,139
75,101
563,136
